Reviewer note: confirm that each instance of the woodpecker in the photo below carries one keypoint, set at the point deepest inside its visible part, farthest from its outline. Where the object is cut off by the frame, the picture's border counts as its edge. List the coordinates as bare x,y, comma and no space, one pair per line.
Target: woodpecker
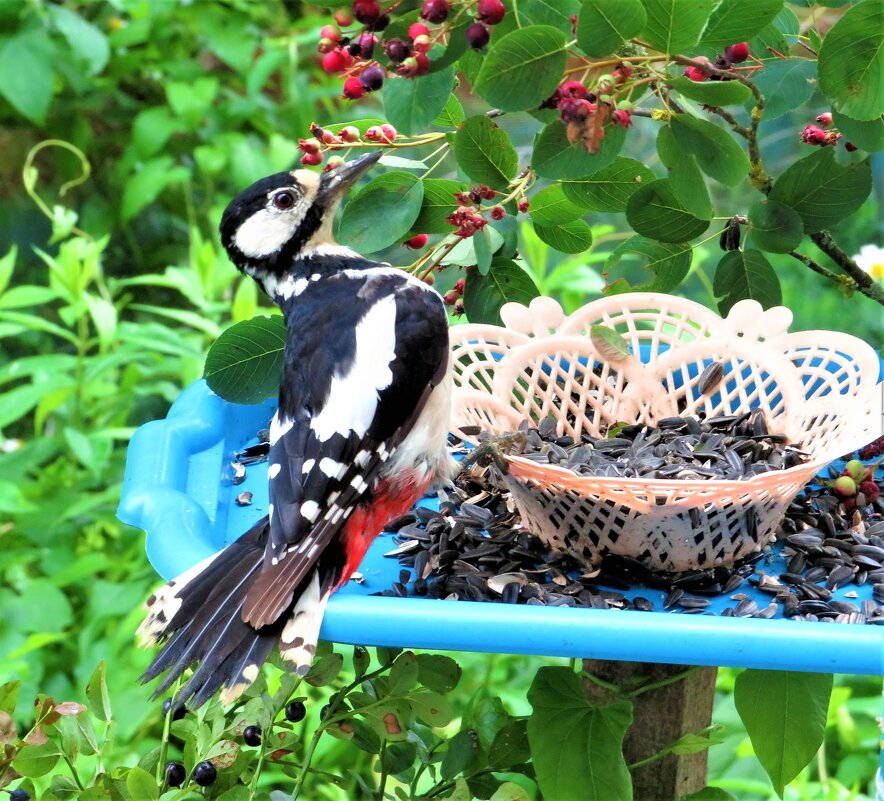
360,434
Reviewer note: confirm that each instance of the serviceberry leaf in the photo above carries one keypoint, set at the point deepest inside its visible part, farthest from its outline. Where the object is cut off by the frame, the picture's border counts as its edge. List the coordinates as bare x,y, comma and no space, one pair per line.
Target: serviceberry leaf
745,274
821,190
738,21
554,157
485,294
549,12
866,134
411,105
438,672
393,199
604,25
785,715
654,211
452,115
674,25
716,151
523,68
569,237
712,93
244,363
484,152
684,175
775,227
550,206
851,61
669,262
609,189
785,85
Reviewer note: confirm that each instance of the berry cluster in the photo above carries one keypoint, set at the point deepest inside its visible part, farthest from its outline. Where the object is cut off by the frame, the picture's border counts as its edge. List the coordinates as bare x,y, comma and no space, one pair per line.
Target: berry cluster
823,134
348,135
856,486
353,53
873,449
733,54
455,296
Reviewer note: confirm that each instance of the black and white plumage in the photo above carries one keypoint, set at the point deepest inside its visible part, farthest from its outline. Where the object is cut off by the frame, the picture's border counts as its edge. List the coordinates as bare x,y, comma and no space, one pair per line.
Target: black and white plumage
359,436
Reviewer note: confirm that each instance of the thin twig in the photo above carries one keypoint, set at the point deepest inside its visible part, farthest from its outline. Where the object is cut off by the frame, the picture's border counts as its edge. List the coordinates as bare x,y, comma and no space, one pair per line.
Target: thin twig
864,282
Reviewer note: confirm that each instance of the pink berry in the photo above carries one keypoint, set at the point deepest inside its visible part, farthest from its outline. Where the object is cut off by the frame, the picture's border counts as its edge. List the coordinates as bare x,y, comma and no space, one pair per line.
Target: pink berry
335,61
422,43
418,29
451,297
308,145
435,11
697,74
366,11
372,79
365,43
523,206
326,45
343,17
477,35
825,119
333,163
870,489
490,11
332,32
572,89
374,134
350,133
416,242
459,285
311,159
422,62
845,486
389,132
353,89
498,213
737,53
622,118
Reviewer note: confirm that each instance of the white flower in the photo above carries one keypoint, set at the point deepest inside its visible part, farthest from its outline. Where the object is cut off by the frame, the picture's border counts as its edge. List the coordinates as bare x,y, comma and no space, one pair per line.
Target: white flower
871,259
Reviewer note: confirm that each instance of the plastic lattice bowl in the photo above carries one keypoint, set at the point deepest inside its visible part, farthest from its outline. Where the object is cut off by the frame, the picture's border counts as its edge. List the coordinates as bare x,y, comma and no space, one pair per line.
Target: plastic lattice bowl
815,387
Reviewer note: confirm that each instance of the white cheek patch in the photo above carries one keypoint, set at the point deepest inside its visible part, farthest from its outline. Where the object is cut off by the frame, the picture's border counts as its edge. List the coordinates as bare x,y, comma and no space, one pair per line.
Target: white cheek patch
267,230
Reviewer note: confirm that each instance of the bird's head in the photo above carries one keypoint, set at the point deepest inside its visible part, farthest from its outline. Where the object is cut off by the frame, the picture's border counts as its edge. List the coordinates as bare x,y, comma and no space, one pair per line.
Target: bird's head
286,216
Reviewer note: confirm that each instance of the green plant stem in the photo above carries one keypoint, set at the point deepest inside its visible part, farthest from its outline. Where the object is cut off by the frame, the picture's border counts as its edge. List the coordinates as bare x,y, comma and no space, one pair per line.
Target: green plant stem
74,773
606,685
164,743
382,782
253,789
656,685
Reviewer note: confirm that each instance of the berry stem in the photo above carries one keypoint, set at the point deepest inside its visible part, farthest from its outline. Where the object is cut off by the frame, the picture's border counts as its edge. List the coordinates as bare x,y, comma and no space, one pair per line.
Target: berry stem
164,743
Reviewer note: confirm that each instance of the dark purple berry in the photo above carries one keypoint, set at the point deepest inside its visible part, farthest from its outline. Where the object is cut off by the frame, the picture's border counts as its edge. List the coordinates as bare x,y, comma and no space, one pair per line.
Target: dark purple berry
205,774
477,35
175,774
20,795
252,735
372,79
397,50
366,11
295,711
179,712
435,11
381,22
354,48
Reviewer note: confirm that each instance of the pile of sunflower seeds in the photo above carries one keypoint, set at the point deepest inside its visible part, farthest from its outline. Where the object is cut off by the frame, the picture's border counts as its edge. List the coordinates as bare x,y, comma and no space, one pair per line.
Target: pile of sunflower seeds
684,448
475,549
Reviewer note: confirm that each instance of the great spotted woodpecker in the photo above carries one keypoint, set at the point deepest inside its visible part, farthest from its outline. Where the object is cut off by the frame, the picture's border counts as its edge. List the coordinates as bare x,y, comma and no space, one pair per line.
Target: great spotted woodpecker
359,436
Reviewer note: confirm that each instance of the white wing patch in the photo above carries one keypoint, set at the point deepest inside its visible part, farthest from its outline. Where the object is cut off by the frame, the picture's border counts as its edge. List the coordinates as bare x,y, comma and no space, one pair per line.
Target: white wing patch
273,471
279,428
353,398
331,468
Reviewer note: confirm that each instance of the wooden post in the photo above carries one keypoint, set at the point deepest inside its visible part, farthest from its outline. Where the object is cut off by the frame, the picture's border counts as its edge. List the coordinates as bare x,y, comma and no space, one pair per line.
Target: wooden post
660,717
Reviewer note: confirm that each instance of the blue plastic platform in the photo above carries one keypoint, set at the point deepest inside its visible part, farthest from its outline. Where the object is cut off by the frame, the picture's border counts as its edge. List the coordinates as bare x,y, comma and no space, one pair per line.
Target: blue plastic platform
178,489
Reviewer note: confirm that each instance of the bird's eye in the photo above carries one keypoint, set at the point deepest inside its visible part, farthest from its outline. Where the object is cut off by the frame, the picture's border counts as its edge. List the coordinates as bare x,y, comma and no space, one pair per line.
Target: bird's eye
283,200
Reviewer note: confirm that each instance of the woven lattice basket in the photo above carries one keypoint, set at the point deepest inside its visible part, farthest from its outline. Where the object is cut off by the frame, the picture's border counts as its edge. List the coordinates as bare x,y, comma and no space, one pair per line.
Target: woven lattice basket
816,387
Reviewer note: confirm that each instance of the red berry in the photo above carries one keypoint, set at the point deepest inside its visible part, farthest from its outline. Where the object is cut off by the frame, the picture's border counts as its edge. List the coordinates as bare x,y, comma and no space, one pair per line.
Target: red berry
366,11
372,79
350,133
374,134
333,163
697,73
825,119
343,17
622,74
416,242
622,118
523,206
422,43
572,89
845,486
308,145
353,88
423,63
429,279
737,53
418,29
335,61
389,132
490,11
326,45
477,35
311,159
435,11
332,32
871,490
498,213
397,50
459,285
451,297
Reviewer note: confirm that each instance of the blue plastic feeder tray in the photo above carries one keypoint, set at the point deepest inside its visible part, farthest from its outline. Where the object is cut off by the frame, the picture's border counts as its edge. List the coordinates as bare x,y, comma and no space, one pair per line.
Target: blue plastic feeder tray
178,489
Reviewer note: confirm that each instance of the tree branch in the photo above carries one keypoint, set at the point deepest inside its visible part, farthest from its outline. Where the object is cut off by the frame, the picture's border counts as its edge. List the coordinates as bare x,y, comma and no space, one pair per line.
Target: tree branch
818,268
863,281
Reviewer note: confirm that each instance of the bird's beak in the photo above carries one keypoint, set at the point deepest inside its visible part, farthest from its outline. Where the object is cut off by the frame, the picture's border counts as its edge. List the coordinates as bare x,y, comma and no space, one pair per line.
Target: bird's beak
335,183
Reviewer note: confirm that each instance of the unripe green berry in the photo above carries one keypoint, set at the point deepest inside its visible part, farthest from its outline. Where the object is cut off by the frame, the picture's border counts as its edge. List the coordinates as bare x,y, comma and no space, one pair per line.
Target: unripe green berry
855,469
845,486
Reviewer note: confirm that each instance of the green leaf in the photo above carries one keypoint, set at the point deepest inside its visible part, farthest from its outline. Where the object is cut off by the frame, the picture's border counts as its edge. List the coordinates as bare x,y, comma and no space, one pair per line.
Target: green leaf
684,175
9,696
437,204
775,227
866,134
610,345
485,294
483,249
452,115
431,709
463,749
12,501
821,190
738,21
785,715
403,674
7,265
554,157
786,85
393,199
716,151
142,785
151,129
457,45
144,186
851,61
244,363
584,760
484,152
745,274
510,746
412,105
549,12
571,237
26,66
674,25
325,669
523,68
604,25
713,93
36,760
509,791
550,207
192,100
24,295
668,262
485,715
438,672
654,211
88,42
97,694
610,188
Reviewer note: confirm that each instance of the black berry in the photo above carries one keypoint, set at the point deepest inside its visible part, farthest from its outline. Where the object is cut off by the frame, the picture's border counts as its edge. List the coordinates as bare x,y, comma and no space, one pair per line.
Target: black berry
397,50
19,795
179,712
175,774
354,48
252,735
477,35
372,79
295,711
381,23
205,774
435,11
324,711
